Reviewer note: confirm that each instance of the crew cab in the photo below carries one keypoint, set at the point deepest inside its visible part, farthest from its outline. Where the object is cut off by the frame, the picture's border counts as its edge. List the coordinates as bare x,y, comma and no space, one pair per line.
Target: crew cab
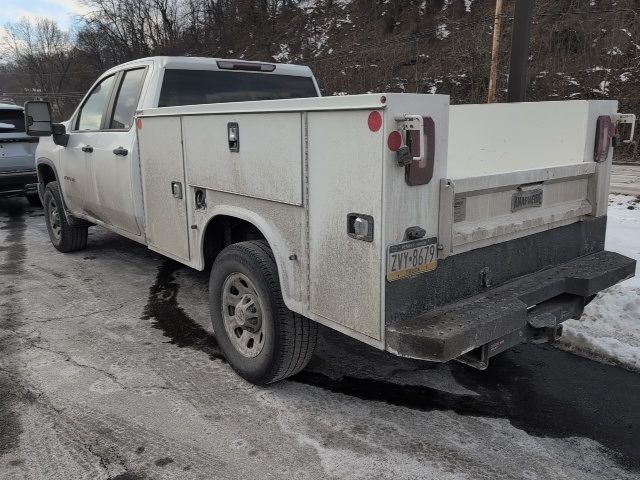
17,156
431,231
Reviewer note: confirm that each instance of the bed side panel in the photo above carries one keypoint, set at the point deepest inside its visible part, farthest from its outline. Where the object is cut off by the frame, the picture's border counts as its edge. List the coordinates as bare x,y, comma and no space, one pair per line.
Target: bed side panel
345,176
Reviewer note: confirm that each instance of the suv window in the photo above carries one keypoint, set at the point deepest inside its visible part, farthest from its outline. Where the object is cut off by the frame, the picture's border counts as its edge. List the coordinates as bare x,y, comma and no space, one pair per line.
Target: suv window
127,100
11,121
90,117
193,87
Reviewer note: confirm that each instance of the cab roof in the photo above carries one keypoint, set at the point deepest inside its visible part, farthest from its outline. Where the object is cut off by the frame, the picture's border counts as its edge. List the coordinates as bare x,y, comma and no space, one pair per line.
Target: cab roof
207,63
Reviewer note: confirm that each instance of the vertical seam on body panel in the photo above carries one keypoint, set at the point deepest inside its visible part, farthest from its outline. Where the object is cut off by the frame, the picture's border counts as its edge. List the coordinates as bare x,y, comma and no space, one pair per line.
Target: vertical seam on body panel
305,169
185,190
143,223
382,317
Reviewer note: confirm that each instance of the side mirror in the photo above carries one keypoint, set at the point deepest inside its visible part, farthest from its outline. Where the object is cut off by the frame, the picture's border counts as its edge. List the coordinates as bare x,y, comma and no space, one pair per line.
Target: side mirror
37,119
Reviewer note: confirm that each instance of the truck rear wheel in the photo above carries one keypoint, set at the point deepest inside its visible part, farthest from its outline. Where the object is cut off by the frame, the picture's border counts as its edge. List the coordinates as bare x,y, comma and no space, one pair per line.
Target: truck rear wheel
63,236
262,340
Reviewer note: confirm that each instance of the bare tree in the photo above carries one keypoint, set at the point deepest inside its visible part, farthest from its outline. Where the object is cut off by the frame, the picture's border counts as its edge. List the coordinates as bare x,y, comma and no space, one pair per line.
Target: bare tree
42,53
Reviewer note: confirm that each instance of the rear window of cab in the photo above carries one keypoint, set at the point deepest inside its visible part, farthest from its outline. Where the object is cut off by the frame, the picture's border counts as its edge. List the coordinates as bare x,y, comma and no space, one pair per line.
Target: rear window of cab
195,87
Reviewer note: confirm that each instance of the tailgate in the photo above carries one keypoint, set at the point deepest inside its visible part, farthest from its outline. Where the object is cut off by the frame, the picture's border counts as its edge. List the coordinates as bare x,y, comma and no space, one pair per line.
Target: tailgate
481,211
17,153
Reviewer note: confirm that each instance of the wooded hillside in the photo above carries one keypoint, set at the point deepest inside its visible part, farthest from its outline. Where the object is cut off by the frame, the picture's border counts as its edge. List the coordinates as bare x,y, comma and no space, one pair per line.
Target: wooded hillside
580,48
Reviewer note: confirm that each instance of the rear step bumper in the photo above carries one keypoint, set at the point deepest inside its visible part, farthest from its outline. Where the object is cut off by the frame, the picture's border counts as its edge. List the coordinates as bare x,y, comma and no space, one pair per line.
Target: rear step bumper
530,307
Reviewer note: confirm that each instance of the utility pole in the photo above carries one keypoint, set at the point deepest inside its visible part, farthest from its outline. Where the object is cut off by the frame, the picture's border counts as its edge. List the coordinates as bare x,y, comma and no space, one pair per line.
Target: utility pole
495,51
520,39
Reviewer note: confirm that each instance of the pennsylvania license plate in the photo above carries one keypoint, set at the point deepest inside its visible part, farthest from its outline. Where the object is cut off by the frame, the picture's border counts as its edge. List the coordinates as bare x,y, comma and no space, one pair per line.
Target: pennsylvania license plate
412,258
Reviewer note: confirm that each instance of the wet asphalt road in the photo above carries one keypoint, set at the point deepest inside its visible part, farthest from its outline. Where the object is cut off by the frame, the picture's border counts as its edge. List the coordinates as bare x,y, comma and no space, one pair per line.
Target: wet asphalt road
109,369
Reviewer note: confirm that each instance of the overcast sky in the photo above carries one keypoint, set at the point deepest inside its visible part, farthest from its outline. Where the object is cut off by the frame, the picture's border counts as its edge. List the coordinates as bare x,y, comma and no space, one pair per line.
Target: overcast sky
62,11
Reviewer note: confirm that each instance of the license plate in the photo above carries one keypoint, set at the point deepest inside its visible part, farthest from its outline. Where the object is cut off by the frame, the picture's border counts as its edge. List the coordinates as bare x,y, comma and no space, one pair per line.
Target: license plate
412,258
526,199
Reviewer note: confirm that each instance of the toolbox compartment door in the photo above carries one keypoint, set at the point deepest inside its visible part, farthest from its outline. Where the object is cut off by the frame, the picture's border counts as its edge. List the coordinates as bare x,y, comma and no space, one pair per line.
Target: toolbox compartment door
265,160
163,186
345,177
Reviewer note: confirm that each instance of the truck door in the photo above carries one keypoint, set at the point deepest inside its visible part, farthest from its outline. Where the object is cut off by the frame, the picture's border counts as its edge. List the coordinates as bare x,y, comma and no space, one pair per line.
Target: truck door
115,154
76,179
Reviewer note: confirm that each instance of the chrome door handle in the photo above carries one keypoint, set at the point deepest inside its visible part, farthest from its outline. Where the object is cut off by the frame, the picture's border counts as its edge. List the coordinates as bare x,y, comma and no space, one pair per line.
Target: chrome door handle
120,151
87,148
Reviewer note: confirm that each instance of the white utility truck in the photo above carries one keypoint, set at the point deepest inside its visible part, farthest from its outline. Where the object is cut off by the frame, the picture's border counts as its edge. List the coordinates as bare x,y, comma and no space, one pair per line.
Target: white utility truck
432,231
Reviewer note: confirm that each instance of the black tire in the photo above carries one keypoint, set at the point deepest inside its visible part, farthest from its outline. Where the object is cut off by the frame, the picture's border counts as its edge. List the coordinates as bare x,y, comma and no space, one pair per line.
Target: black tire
34,200
63,236
289,339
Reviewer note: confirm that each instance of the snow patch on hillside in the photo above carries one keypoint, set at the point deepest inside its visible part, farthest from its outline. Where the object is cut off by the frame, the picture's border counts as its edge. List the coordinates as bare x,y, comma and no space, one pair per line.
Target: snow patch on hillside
442,32
283,55
609,330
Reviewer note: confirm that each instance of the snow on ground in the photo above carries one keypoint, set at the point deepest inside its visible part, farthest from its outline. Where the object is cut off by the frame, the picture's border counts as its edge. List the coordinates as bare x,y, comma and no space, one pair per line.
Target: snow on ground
610,327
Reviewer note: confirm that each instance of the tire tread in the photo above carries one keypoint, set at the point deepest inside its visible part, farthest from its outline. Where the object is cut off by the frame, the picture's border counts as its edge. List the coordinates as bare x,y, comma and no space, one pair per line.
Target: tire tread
72,238
298,334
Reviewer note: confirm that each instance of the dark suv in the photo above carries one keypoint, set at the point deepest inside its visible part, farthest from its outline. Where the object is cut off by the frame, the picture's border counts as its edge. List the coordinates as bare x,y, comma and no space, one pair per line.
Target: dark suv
17,161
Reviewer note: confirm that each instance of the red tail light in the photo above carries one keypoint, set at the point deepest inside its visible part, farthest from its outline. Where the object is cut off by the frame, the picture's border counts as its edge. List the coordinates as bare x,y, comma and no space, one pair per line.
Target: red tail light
394,141
375,121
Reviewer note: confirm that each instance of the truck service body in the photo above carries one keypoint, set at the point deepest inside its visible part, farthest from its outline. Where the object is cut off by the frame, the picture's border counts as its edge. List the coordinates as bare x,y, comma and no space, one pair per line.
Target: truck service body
431,231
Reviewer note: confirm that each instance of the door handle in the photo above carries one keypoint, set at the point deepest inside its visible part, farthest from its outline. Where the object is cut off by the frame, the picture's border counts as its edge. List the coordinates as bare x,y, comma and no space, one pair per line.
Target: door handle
87,148
120,151
176,189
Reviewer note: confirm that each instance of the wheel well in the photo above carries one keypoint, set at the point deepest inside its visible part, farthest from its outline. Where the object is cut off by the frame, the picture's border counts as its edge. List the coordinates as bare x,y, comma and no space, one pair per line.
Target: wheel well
224,230
46,174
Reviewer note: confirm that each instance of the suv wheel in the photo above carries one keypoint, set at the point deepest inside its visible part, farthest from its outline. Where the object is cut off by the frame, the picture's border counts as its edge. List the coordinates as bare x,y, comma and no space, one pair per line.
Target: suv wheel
34,200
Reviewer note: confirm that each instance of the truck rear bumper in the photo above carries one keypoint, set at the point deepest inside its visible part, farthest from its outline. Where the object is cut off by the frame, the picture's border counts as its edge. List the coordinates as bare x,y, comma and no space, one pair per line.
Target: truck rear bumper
13,184
530,307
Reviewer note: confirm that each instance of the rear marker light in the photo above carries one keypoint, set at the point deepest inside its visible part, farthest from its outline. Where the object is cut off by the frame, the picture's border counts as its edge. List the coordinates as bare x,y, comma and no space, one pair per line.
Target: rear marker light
394,141
375,121
247,66
139,123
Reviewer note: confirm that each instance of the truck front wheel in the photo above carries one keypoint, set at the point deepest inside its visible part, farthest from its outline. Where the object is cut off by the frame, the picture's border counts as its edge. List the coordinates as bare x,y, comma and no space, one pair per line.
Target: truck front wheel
63,236
262,340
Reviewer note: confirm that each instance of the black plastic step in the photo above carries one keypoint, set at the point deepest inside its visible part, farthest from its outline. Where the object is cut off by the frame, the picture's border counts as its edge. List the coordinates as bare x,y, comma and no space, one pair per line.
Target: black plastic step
448,332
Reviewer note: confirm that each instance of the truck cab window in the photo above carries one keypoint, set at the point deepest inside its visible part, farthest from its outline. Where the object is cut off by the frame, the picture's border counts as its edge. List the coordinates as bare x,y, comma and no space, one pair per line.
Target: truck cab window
90,116
193,87
127,100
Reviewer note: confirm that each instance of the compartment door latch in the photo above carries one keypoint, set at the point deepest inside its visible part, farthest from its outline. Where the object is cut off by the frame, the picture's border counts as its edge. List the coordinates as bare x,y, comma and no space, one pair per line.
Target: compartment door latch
233,133
176,189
